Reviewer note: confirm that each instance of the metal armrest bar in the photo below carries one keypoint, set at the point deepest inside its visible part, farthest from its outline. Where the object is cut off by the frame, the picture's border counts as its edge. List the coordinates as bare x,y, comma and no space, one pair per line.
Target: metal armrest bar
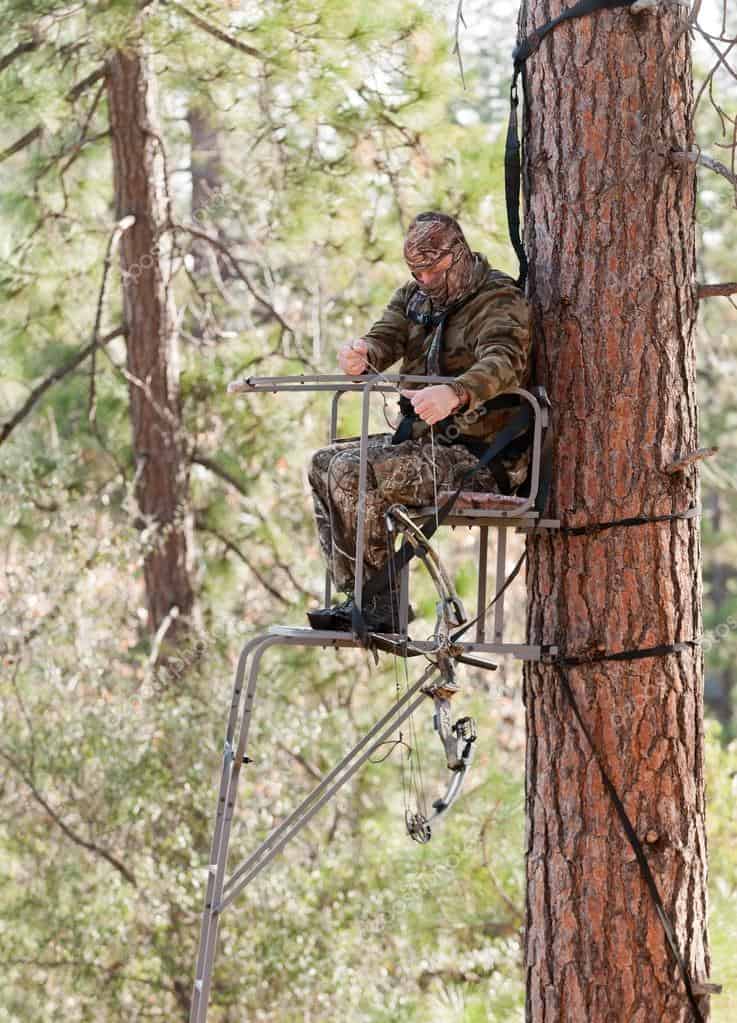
386,384
332,382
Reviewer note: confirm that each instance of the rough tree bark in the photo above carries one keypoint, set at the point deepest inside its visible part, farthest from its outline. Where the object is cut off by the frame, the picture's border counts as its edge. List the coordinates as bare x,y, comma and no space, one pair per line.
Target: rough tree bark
610,236
150,318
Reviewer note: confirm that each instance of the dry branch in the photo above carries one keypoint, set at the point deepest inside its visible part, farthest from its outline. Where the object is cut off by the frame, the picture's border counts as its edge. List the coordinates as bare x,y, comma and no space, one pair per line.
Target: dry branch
714,290
217,470
59,373
23,141
18,51
216,32
696,156
231,546
71,97
683,462
235,263
83,843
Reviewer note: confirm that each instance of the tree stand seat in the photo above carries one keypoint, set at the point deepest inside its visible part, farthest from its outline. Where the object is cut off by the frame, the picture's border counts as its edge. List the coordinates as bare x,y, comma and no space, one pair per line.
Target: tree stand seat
470,499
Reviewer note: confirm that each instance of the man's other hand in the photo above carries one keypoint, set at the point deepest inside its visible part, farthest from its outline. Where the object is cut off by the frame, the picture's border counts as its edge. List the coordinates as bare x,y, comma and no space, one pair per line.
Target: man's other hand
352,357
434,403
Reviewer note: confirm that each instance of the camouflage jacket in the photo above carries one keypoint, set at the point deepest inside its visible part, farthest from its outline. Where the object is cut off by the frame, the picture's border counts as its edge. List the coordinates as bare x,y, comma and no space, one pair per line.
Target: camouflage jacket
486,343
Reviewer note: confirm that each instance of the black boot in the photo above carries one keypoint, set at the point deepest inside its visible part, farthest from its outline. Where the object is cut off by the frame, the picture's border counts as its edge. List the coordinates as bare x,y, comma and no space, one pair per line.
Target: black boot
337,618
381,614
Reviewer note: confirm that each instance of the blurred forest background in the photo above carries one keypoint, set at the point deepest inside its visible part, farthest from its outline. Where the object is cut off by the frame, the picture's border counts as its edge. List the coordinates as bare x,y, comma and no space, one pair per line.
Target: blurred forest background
296,141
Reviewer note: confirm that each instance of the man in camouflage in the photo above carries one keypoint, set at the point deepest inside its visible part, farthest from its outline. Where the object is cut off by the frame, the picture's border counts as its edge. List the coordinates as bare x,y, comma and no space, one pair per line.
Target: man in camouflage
457,317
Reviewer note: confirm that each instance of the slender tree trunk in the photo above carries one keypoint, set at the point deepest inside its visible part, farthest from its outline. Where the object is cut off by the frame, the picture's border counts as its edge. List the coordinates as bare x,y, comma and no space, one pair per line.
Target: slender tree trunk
207,169
610,236
150,317
720,682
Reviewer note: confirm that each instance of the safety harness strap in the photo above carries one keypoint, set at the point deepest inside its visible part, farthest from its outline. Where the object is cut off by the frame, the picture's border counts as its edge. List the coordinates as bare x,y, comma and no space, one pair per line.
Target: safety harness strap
512,161
528,46
512,173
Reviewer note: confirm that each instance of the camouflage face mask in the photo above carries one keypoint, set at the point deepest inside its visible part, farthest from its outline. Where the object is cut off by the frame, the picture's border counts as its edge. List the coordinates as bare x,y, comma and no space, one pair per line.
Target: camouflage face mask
435,243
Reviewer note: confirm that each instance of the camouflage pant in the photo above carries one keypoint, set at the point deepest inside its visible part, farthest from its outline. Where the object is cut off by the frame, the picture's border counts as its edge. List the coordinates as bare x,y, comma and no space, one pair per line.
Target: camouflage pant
397,474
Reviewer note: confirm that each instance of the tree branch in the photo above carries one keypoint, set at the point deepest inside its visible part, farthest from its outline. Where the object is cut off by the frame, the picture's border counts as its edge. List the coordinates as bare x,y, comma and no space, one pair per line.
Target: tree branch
696,156
231,546
217,470
460,20
59,373
118,231
713,290
76,91
97,850
90,349
18,51
71,97
215,31
686,460
302,761
216,243
22,142
145,388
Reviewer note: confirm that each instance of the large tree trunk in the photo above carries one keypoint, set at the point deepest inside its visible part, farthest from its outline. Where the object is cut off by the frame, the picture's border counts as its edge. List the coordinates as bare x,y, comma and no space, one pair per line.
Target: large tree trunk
610,236
140,191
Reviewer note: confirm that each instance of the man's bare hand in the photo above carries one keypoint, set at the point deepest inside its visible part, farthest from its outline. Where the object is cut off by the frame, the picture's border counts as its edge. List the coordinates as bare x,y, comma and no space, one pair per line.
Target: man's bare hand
353,358
434,403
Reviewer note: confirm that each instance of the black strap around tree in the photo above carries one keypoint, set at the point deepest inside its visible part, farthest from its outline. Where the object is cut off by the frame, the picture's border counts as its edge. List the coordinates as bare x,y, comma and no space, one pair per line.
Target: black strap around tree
638,520
512,174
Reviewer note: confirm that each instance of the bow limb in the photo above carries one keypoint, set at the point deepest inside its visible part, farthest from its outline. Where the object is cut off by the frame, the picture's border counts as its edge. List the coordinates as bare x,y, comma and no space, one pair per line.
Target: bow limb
443,584
458,741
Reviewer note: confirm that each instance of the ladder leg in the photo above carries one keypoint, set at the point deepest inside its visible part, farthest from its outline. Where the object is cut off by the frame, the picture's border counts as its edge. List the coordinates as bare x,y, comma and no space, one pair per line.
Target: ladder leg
501,573
325,791
221,835
481,593
404,600
362,485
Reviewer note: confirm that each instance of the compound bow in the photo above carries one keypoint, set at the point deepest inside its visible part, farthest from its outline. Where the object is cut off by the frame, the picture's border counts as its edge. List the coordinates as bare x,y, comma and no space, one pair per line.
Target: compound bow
457,738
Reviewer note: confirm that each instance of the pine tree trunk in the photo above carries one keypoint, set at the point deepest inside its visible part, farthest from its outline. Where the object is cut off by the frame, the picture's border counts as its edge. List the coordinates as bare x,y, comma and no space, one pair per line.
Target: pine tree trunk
206,166
610,237
720,682
150,319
